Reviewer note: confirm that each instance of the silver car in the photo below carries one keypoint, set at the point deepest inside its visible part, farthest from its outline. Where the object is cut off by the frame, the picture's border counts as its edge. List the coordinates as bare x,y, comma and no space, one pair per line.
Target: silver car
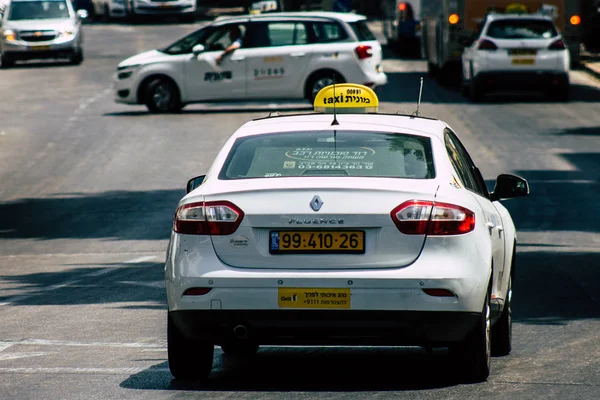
35,29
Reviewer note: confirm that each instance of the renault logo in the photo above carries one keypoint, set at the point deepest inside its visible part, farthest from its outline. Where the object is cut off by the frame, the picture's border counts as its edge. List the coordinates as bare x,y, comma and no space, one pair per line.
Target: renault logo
316,203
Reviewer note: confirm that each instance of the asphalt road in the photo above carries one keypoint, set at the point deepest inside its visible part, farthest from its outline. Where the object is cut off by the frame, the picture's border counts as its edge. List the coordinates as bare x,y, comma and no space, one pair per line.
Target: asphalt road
87,193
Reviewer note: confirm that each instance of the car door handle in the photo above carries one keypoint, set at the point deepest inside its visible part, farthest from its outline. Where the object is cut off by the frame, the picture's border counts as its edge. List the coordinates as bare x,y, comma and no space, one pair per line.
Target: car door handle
297,55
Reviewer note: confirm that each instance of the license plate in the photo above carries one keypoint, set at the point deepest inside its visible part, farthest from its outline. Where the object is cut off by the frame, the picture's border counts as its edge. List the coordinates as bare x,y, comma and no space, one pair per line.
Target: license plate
39,48
313,298
523,61
316,242
522,52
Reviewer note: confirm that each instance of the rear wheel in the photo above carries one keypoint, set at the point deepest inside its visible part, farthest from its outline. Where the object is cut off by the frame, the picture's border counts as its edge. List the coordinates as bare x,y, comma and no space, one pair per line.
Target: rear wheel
474,354
188,359
476,90
561,94
321,80
502,330
162,96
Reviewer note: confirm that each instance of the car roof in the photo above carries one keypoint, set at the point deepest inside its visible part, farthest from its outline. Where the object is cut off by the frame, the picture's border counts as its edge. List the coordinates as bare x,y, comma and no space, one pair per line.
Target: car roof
346,17
389,123
495,17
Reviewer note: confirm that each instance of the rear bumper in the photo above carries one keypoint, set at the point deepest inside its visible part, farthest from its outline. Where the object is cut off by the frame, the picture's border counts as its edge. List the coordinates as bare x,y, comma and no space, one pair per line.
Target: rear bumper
330,327
522,79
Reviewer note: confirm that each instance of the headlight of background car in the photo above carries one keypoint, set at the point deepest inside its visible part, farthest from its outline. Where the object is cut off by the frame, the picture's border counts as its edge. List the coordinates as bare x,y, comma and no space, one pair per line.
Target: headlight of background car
67,33
9,35
126,71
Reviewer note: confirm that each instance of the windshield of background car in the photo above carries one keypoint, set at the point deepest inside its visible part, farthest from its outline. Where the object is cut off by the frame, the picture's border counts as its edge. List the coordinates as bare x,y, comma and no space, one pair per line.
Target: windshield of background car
362,31
521,29
330,154
50,9
212,38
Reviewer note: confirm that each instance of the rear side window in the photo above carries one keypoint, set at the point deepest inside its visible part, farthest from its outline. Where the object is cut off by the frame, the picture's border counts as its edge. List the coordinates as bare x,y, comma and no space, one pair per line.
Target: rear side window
327,32
330,154
362,31
274,34
521,29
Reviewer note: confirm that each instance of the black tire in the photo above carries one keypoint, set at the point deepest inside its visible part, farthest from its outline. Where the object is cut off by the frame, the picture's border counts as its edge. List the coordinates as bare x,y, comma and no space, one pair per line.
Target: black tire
432,70
319,81
473,356
76,58
162,96
7,62
188,359
240,349
189,18
502,329
476,91
561,94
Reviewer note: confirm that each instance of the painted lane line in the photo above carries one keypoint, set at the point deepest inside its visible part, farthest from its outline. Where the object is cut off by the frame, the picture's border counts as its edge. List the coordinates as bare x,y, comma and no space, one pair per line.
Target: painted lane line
44,342
4,346
70,370
15,356
140,259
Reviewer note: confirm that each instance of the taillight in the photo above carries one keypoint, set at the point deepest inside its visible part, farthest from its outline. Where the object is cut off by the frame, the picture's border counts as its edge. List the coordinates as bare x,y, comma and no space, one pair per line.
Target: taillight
210,218
416,217
364,51
486,45
558,45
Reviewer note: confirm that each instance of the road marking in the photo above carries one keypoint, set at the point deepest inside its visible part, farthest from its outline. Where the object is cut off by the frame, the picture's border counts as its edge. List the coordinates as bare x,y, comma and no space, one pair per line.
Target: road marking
45,342
4,346
15,356
140,259
68,370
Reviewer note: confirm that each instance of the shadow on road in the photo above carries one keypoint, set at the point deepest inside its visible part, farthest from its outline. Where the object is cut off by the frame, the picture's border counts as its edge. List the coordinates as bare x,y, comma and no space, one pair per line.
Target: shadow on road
120,215
314,370
139,283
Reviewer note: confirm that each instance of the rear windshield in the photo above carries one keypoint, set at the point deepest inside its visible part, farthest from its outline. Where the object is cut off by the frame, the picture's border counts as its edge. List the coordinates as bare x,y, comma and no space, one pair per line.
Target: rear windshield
330,154
51,9
362,31
522,29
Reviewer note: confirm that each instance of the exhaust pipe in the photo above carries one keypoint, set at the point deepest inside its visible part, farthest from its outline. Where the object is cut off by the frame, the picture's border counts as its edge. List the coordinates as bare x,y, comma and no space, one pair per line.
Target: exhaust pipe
240,332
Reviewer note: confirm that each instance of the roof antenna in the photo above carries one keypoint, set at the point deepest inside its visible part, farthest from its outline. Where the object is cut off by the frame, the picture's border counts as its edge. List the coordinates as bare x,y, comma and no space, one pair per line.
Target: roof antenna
335,121
416,113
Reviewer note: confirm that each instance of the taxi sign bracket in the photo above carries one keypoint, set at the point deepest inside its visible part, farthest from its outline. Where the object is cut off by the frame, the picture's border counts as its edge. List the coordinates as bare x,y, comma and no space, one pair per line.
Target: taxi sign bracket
416,113
335,121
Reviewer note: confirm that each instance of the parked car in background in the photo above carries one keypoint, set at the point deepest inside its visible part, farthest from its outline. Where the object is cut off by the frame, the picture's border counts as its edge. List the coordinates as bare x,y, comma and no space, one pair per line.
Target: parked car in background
37,29
184,10
109,9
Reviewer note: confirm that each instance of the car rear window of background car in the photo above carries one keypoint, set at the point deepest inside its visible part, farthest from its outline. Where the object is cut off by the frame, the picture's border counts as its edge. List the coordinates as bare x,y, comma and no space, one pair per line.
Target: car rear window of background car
329,154
362,31
521,29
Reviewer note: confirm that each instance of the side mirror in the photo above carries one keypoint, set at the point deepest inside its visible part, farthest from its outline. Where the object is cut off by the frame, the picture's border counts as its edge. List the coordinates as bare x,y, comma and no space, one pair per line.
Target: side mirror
508,187
82,14
198,49
194,183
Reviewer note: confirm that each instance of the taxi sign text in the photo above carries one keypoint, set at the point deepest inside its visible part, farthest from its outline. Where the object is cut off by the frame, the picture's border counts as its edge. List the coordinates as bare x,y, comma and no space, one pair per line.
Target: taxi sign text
346,97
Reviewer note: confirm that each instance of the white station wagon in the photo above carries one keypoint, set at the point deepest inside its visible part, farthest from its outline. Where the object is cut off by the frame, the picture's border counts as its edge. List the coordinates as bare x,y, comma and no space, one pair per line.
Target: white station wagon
282,56
348,230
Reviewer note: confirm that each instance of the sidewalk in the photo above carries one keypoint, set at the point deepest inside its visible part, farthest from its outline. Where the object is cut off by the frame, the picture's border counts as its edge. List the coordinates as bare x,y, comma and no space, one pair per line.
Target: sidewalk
590,62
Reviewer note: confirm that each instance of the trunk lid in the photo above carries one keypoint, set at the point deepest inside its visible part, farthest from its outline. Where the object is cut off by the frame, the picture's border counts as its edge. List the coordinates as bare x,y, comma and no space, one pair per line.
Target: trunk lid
272,213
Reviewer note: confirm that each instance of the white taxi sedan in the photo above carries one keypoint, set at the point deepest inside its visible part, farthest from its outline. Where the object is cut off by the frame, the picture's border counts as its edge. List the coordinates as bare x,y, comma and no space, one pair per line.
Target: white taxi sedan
523,51
352,229
282,56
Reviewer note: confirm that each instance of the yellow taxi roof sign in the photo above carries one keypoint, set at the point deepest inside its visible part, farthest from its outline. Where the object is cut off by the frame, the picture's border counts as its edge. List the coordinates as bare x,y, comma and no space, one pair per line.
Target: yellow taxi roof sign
347,98
515,8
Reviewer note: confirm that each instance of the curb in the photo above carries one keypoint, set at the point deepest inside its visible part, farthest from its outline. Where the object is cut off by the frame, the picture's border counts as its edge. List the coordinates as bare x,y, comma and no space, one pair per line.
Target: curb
590,70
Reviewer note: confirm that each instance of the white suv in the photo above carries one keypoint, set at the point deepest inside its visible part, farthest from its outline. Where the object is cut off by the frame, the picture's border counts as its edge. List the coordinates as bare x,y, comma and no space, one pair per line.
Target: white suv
516,51
282,56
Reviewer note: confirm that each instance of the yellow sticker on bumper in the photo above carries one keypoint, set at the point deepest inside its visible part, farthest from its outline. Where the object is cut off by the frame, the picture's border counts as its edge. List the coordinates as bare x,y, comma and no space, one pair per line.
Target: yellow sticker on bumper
313,298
